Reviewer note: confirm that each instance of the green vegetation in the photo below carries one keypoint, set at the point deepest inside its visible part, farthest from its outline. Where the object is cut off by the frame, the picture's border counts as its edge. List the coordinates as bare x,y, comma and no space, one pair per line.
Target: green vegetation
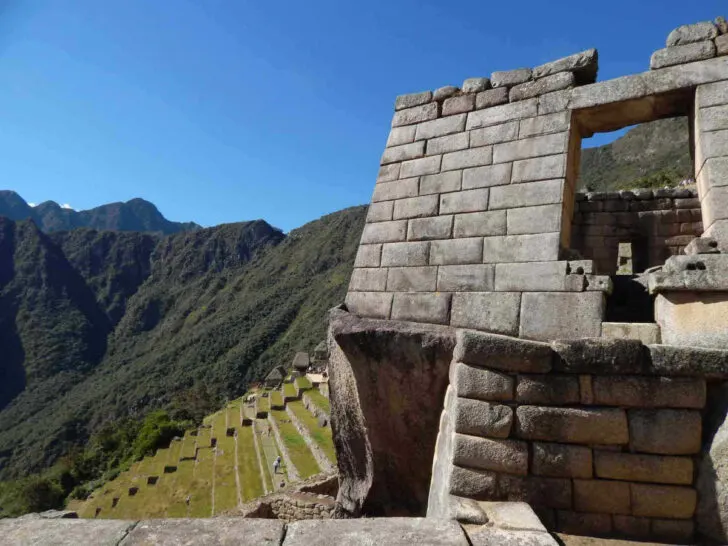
651,155
320,435
303,383
320,400
96,334
289,391
301,456
276,400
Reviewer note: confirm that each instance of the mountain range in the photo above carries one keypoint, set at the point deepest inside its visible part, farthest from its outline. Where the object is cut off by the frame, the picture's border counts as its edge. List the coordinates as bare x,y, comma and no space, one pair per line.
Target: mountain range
134,215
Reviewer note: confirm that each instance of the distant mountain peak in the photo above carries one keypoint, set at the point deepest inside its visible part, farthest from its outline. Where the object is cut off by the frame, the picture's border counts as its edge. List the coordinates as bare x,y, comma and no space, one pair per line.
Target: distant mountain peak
134,215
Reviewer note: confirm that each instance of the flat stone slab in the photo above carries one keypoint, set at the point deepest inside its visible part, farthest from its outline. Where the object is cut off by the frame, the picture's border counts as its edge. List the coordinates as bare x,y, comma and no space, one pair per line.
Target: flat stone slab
34,530
204,532
572,540
375,531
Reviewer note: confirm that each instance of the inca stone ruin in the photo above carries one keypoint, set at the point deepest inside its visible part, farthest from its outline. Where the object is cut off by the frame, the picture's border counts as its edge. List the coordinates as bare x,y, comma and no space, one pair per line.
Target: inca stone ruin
515,358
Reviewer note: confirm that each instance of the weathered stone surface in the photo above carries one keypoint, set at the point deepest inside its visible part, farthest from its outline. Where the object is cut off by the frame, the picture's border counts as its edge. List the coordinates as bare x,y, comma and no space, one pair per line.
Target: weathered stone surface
576,523
688,361
643,468
712,94
416,207
368,280
537,490
411,279
512,515
682,54
663,501
440,183
503,353
491,97
644,332
473,382
601,356
665,431
548,84
602,496
463,159
429,308
521,248
31,530
500,114
494,134
541,168
482,418
527,275
213,531
387,191
440,127
418,167
401,135
510,456
552,315
553,102
526,148
632,527
464,201
456,251
542,125
368,256
712,482
477,484
483,177
649,83
561,460
714,118
448,143
416,114
674,530
475,85
403,152
695,319
444,92
387,173
374,427
572,425
689,34
411,100
489,311
395,531
721,45
702,245
380,212
489,536
465,278
584,65
649,392
458,105
532,220
422,229
510,77
547,389
405,254
370,304
527,194
479,224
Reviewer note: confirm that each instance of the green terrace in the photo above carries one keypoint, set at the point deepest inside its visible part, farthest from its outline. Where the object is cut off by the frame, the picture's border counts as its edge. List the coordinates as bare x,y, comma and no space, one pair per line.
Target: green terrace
221,465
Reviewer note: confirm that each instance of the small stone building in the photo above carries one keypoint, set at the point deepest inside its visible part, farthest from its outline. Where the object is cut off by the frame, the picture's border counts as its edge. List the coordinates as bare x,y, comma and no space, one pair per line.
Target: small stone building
301,362
275,377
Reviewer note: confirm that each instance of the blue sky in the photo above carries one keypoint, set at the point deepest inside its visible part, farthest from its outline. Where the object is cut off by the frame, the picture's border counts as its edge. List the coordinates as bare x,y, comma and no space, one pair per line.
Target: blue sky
221,111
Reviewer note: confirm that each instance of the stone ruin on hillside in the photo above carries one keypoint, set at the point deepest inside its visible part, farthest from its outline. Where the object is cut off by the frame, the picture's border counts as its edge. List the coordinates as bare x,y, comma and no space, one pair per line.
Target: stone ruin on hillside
488,352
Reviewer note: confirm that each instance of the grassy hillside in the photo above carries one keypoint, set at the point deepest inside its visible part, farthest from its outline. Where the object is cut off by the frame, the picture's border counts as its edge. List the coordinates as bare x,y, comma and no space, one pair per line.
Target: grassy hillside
216,309
658,151
214,468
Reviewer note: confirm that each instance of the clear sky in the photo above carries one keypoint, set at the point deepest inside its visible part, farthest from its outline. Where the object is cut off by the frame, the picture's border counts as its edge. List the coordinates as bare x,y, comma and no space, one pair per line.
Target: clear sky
228,110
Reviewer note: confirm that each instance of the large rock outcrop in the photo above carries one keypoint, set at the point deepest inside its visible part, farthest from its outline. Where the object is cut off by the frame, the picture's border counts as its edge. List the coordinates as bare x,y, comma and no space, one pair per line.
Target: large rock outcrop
387,382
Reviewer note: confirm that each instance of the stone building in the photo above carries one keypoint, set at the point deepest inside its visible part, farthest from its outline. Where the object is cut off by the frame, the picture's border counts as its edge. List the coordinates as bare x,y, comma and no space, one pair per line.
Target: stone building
275,377
484,287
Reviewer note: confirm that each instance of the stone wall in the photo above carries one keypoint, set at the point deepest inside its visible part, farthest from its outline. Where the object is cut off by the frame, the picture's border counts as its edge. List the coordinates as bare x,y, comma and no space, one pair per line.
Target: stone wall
600,437
659,224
